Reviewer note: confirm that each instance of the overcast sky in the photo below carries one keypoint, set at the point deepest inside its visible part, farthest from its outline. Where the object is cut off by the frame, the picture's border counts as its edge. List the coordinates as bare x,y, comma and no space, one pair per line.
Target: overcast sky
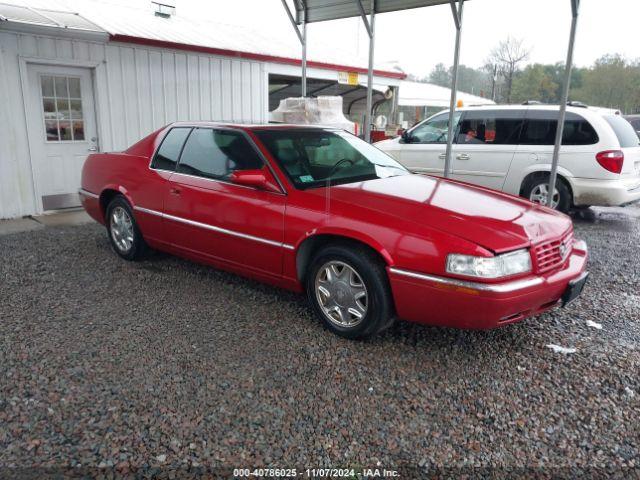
420,38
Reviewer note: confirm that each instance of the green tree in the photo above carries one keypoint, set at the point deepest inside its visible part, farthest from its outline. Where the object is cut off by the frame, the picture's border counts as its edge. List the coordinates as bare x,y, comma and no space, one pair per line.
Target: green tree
440,75
612,82
535,83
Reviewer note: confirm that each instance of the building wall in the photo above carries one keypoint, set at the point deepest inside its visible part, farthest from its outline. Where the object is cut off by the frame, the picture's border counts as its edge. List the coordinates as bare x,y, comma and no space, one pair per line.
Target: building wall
138,89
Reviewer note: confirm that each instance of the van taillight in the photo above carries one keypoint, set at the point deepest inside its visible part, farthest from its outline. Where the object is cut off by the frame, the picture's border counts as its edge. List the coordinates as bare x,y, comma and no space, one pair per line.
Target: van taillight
611,160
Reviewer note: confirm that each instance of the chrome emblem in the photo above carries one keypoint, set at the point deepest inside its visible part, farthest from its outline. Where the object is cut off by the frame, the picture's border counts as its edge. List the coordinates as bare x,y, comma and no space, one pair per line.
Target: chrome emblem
564,249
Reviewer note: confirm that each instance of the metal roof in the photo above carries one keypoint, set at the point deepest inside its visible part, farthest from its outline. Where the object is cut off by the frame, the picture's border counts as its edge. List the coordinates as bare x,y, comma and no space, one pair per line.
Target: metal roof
133,24
46,17
323,10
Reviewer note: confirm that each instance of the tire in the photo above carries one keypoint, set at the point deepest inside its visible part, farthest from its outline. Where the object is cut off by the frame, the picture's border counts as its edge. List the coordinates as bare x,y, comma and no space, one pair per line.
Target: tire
537,185
354,270
123,232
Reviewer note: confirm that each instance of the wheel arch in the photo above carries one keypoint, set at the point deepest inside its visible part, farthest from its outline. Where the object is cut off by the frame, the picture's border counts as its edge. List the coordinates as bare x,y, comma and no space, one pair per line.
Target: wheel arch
310,245
108,193
562,176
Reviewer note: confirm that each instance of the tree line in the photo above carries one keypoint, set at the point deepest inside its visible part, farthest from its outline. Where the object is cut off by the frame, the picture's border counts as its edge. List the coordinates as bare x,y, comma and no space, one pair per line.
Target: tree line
612,81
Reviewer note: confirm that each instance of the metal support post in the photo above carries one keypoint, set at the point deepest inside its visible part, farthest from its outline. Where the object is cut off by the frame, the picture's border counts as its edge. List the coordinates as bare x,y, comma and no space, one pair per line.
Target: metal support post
302,36
457,18
575,7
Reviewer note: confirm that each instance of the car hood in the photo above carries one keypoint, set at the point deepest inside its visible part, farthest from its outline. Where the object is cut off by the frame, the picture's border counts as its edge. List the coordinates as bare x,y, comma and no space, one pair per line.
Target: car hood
491,219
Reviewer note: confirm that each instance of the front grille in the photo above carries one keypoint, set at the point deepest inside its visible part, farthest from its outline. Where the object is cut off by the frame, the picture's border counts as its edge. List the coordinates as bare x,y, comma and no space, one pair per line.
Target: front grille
550,255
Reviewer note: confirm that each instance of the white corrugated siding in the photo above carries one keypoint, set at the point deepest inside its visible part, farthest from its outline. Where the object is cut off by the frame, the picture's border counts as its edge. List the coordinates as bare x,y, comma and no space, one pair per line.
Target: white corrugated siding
138,89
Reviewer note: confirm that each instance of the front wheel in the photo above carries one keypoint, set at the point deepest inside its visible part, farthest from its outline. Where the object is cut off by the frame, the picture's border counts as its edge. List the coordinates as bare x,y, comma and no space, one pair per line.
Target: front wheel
124,234
349,290
536,189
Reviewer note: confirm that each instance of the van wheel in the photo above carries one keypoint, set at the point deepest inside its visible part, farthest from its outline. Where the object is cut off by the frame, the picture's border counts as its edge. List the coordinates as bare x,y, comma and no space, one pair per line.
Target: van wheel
536,189
349,290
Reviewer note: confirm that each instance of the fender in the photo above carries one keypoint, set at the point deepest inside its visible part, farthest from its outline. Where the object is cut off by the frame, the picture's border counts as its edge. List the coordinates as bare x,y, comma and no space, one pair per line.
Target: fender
121,189
351,234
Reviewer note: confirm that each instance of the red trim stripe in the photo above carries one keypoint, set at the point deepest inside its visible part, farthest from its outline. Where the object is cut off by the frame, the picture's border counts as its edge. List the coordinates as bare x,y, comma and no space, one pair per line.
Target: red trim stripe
248,56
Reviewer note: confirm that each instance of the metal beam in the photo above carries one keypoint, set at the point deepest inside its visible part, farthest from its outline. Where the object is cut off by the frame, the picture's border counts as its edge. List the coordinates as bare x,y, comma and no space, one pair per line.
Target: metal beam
457,18
302,36
371,30
304,59
347,92
324,87
575,7
363,15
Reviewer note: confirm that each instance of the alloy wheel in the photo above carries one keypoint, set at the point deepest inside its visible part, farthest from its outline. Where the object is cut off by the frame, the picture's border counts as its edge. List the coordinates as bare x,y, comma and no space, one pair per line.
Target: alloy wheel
540,194
341,294
121,227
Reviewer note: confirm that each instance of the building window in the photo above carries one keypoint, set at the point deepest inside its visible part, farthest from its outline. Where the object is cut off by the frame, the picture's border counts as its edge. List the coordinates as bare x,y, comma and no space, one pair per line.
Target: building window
62,108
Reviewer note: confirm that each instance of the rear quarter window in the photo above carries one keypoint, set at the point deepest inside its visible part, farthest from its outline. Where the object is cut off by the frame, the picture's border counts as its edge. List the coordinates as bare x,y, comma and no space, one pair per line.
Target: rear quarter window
627,136
167,155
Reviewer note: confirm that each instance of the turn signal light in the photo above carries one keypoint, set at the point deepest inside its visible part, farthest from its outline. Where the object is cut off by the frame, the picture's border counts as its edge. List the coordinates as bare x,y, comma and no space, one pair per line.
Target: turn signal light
611,160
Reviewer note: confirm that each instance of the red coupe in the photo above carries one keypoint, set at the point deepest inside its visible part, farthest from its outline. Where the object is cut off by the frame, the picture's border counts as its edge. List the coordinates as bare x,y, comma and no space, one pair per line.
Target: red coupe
319,210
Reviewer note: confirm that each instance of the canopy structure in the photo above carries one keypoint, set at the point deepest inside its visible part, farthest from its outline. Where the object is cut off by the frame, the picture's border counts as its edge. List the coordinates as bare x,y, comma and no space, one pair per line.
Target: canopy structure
323,10
419,94
309,11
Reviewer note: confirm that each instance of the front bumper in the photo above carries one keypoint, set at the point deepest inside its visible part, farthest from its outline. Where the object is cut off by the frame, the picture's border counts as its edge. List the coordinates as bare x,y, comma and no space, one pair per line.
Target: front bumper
447,302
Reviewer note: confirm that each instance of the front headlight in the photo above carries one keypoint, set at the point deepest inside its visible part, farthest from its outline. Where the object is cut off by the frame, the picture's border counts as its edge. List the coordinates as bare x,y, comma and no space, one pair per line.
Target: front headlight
503,265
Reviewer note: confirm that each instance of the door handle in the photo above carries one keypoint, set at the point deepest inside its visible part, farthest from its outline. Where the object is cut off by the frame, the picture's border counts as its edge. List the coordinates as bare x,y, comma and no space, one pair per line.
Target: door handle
174,191
463,156
442,156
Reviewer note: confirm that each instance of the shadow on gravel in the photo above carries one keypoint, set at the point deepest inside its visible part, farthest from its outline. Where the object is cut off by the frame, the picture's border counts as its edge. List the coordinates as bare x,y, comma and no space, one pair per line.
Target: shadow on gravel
617,219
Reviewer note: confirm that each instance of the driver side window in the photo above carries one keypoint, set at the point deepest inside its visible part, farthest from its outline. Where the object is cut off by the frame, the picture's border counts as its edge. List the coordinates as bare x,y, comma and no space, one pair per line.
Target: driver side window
434,130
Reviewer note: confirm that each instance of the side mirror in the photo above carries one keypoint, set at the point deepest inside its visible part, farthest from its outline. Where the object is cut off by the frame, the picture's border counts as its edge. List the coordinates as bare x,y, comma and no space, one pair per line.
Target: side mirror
405,136
254,178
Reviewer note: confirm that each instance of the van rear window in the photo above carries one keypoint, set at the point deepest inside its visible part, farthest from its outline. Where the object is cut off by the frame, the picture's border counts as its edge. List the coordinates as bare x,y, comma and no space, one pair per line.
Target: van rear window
627,136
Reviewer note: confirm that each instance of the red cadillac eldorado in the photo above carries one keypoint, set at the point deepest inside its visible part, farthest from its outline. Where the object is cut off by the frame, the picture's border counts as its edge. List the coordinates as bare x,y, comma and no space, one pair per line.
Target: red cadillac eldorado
318,210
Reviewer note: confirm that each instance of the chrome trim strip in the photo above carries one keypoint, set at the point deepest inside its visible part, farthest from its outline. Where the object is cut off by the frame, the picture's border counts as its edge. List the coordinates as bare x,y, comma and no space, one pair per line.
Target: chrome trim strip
485,287
87,193
150,212
206,226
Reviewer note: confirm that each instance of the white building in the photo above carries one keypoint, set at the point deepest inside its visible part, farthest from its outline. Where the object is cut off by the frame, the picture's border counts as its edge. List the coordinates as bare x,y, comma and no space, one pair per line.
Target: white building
78,76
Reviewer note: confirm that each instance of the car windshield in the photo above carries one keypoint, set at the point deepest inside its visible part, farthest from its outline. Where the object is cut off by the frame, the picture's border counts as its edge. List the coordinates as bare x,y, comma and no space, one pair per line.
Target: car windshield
314,158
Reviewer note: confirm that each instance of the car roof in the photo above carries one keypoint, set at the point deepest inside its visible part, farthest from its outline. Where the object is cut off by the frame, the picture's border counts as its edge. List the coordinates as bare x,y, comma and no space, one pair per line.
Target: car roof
544,107
251,126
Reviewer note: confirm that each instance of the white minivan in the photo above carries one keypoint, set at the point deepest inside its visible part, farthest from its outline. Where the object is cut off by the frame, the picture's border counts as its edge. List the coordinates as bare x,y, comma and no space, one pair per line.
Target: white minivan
509,148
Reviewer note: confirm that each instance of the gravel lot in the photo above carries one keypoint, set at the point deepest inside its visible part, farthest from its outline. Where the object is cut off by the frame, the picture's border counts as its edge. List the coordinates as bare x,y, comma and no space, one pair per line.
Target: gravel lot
110,366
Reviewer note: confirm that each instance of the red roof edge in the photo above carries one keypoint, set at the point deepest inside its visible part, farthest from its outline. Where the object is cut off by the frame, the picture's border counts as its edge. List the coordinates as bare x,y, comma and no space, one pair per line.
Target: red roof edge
248,56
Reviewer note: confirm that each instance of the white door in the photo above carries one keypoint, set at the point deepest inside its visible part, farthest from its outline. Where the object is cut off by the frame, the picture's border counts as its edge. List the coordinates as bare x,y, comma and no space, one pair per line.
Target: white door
486,143
62,131
424,149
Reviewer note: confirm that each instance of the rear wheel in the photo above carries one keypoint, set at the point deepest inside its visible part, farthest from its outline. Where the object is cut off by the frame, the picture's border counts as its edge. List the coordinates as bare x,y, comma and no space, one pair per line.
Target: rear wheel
349,290
536,189
124,234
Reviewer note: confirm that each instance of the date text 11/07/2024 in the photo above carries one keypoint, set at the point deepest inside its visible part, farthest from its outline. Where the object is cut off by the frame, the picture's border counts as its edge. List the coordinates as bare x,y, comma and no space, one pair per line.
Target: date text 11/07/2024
315,473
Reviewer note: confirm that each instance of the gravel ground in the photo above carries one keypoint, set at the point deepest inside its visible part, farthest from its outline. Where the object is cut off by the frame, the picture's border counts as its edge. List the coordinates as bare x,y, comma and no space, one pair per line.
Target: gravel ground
114,367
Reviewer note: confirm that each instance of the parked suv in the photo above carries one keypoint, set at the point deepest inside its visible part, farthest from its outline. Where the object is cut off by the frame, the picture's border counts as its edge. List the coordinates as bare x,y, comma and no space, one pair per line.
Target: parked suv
510,148
634,120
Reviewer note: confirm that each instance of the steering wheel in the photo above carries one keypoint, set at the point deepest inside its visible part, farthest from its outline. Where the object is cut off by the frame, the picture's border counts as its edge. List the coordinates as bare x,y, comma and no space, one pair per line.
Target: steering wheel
337,166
